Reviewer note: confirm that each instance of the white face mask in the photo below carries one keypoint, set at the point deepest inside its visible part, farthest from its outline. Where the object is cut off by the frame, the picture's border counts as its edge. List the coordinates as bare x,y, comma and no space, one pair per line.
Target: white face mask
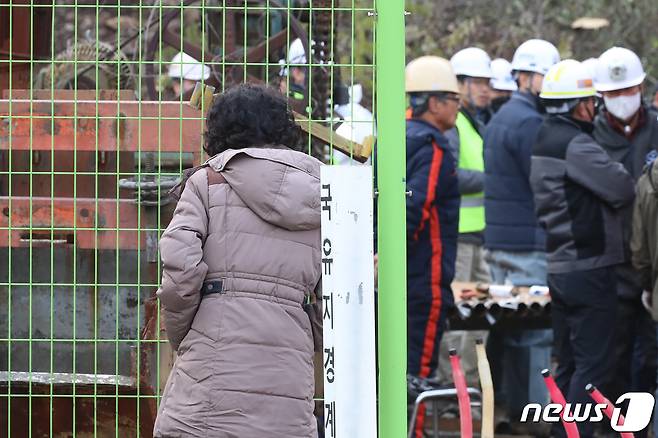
623,107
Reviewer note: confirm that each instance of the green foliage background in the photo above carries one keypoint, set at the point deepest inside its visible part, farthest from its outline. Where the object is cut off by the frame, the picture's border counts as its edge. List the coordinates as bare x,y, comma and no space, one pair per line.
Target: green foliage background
441,27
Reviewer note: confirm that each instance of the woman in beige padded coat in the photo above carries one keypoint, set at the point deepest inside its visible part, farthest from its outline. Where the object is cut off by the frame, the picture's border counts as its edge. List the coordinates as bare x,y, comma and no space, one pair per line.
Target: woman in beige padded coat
240,255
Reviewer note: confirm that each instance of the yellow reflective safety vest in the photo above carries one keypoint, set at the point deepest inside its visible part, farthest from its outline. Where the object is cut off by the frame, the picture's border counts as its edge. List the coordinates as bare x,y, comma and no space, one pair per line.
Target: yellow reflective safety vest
471,157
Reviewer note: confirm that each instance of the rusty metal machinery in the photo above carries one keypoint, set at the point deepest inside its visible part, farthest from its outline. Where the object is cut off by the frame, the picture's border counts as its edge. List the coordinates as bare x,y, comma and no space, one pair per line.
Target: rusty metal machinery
233,53
78,220
322,55
77,68
20,43
83,182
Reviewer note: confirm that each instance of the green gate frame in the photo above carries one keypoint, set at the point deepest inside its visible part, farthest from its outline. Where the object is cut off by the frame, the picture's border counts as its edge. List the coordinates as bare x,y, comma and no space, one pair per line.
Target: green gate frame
391,211
389,61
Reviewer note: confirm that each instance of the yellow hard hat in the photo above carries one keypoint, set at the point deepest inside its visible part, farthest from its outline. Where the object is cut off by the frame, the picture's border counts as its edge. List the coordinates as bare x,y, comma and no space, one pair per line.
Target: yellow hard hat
568,79
430,73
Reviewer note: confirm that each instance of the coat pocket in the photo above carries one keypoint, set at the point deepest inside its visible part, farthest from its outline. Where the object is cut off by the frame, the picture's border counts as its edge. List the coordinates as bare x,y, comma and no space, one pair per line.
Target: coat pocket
207,320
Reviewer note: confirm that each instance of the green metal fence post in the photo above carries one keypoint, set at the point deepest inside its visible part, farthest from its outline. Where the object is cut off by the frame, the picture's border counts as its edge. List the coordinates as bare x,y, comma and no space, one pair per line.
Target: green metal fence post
392,303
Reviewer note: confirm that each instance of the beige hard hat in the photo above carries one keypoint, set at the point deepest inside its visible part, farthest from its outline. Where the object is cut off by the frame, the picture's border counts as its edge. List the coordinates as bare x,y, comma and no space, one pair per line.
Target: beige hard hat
430,73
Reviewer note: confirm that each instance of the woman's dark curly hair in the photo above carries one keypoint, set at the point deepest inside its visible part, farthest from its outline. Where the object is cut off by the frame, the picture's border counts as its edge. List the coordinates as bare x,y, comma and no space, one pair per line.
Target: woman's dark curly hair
250,115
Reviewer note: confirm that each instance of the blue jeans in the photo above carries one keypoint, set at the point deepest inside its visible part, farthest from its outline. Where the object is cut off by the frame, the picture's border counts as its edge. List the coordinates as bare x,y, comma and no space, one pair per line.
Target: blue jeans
519,356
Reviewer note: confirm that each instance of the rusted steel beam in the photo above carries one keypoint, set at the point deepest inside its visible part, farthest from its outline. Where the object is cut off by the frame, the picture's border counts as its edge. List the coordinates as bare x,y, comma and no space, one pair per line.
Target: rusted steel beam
99,125
46,94
98,409
84,222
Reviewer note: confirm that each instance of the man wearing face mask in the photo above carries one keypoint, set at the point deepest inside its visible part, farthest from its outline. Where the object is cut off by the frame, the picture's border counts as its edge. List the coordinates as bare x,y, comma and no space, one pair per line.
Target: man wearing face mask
514,240
627,130
502,83
579,197
472,67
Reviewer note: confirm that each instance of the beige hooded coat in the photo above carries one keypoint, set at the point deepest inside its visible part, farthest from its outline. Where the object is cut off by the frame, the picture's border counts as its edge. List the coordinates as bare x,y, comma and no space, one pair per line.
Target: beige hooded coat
244,365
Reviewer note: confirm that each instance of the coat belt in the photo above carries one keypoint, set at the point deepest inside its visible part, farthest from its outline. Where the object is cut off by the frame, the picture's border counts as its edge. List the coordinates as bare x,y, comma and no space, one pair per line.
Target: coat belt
212,287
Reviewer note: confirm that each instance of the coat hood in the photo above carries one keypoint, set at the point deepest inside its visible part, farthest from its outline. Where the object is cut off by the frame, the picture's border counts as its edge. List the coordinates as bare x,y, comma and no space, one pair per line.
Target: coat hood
280,185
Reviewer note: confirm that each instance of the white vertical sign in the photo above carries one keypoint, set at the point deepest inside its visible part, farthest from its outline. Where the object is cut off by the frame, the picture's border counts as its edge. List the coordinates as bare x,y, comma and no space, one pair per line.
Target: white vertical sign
348,300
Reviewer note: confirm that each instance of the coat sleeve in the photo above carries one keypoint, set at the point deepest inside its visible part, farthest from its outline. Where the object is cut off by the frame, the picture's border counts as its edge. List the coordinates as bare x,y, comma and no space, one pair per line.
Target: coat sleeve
470,181
590,166
640,252
422,180
417,177
181,250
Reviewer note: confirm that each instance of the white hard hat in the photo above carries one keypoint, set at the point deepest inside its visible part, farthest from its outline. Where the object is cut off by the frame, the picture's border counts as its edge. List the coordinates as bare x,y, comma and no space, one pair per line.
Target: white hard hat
472,62
296,56
618,68
568,79
590,64
502,75
296,53
430,73
535,56
183,66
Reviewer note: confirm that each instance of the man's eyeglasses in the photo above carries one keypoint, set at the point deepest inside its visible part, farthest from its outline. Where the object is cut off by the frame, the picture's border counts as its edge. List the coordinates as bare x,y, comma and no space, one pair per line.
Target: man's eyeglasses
452,97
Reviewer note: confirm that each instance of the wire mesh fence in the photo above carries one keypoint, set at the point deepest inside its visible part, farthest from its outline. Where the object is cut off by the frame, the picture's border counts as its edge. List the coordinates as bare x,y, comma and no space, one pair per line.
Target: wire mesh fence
95,127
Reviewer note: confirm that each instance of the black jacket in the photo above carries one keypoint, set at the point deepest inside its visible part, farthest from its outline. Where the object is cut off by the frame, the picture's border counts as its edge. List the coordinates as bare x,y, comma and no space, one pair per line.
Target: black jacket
579,194
631,153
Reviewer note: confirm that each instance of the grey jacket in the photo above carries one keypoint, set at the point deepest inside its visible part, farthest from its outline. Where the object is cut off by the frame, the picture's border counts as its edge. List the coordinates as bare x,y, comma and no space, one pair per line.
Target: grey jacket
644,241
631,153
246,232
579,192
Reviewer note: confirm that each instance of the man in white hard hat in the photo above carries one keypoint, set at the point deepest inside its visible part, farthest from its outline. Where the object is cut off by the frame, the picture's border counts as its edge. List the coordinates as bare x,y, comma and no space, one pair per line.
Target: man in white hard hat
293,71
580,194
432,215
628,130
472,66
513,237
185,72
502,83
